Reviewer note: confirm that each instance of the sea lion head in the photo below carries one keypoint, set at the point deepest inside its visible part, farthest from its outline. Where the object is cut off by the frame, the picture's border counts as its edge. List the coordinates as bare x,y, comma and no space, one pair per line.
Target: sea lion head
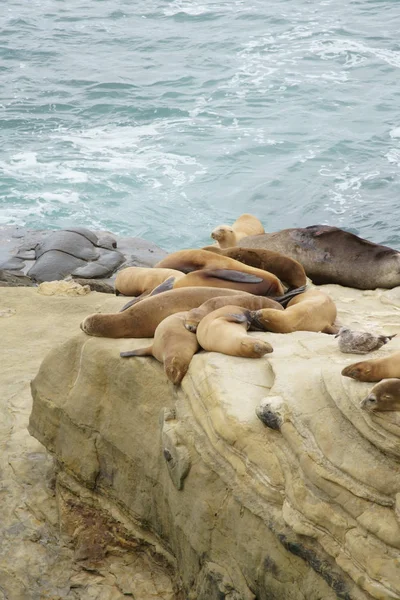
175,370
96,325
385,396
222,233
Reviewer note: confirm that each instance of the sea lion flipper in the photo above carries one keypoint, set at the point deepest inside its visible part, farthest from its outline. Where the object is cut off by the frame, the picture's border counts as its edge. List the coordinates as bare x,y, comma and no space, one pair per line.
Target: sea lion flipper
232,275
165,286
129,304
235,318
289,295
139,352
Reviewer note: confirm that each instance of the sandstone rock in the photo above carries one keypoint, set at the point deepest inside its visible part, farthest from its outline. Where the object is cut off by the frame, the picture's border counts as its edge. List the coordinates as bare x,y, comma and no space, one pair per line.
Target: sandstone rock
305,510
62,288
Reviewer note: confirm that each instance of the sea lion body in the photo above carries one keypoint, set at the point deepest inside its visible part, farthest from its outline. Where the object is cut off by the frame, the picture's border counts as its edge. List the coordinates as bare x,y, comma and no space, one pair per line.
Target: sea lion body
384,396
225,330
194,316
173,345
287,269
311,311
230,235
191,260
141,319
375,369
332,255
134,281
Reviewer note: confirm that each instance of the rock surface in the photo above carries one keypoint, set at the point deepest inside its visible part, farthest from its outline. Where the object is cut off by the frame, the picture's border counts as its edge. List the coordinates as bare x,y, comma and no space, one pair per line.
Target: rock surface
303,509
37,560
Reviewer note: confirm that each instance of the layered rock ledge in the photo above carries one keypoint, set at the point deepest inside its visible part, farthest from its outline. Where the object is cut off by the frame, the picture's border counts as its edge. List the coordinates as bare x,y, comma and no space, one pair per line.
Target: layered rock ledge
308,509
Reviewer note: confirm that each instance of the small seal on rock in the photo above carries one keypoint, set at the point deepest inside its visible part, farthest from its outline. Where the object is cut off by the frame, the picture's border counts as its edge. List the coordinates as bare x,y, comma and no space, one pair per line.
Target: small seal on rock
360,342
229,235
384,396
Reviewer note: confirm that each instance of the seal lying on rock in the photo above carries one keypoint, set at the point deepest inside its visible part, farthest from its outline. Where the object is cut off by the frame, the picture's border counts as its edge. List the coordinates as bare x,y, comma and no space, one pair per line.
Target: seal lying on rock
134,281
384,396
141,319
360,342
228,236
173,345
224,330
331,255
194,316
374,369
288,270
311,311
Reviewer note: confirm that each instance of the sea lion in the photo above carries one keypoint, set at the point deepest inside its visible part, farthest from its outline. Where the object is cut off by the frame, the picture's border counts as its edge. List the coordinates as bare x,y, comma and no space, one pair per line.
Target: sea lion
384,396
332,255
141,319
310,311
360,342
229,235
224,268
288,270
374,369
134,281
224,330
173,345
194,316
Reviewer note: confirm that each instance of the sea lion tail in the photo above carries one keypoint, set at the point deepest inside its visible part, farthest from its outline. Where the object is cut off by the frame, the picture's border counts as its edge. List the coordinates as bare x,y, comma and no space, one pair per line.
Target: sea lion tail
139,352
289,295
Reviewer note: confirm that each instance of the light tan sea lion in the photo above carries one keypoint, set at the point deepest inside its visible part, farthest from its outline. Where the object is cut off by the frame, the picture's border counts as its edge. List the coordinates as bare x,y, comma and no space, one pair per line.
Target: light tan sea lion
288,270
141,319
332,255
384,396
374,369
224,330
224,268
229,235
134,281
311,311
173,345
194,316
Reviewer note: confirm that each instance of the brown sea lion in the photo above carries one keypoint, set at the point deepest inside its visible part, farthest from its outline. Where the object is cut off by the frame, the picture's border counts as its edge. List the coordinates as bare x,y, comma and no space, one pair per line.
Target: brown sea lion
134,281
173,345
288,270
224,268
311,311
230,235
331,255
224,330
384,396
141,319
194,316
374,369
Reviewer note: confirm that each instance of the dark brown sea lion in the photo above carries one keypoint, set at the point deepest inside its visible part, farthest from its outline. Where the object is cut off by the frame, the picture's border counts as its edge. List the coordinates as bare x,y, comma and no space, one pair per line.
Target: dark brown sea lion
230,235
311,311
141,319
384,396
332,255
194,316
375,369
224,330
288,270
173,345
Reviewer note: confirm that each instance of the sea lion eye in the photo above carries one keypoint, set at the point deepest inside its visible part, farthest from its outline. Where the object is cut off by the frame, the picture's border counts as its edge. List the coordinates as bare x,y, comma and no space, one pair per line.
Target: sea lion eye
372,400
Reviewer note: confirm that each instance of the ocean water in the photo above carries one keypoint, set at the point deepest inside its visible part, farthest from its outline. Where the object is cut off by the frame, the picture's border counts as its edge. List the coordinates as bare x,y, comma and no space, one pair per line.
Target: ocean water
163,119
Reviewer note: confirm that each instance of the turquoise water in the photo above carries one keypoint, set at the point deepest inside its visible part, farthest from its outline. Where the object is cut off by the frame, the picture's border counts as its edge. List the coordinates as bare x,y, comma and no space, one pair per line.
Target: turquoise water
164,119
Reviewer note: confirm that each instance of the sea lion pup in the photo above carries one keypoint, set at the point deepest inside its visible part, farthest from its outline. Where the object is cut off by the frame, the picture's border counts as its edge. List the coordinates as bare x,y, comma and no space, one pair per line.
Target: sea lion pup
194,316
141,319
311,311
224,330
229,235
384,396
288,270
224,268
360,342
173,345
374,369
331,255
134,281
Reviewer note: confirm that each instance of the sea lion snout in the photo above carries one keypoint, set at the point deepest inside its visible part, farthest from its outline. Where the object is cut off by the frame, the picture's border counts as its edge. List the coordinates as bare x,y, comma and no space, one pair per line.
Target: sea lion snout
369,403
